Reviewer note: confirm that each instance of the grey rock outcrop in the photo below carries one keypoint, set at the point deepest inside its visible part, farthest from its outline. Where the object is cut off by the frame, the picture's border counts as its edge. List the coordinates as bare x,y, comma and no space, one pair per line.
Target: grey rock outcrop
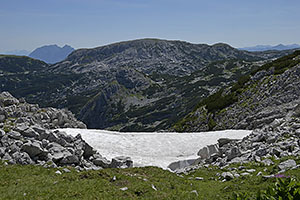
254,147
25,139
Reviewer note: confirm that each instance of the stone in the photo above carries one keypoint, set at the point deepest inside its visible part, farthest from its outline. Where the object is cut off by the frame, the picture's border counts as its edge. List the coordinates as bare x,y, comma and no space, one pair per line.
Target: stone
232,153
22,158
287,164
7,157
66,170
2,118
121,162
38,129
69,159
153,187
58,172
14,135
34,150
101,161
261,152
66,137
2,133
245,174
227,176
277,151
181,164
297,132
21,128
88,151
267,162
271,140
124,188
58,153
250,170
2,152
224,141
207,151
30,133
258,138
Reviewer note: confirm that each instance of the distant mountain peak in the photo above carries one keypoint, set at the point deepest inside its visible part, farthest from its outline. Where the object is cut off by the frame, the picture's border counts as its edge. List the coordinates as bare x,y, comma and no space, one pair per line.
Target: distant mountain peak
51,53
278,47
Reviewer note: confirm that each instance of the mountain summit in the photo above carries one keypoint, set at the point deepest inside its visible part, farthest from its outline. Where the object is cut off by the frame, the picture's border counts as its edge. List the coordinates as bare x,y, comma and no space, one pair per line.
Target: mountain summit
51,53
278,47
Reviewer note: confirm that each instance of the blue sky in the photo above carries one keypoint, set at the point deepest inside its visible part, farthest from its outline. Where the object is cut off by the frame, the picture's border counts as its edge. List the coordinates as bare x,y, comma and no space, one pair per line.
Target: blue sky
27,24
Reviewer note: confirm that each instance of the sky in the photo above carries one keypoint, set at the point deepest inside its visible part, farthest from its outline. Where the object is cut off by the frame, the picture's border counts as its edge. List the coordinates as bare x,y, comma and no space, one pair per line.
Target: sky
28,24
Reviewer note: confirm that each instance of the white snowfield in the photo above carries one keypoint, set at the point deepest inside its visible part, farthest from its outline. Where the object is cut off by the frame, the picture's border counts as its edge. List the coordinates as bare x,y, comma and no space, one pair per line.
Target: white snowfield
152,149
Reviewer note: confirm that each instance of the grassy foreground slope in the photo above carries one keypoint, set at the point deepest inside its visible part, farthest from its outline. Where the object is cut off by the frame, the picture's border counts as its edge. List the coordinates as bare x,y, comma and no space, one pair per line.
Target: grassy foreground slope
34,182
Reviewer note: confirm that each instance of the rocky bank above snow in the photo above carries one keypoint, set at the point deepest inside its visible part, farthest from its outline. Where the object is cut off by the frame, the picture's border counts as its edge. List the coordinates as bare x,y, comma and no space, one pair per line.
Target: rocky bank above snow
26,138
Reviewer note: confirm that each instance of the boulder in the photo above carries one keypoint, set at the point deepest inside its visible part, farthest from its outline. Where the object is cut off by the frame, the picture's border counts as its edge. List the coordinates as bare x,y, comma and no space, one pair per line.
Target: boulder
207,151
22,158
34,150
14,135
181,164
58,152
100,161
30,133
287,164
21,127
267,162
224,141
69,159
232,153
121,162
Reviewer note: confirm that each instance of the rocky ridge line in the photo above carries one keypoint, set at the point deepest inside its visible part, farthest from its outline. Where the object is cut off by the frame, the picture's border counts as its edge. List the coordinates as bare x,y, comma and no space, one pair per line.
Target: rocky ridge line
26,138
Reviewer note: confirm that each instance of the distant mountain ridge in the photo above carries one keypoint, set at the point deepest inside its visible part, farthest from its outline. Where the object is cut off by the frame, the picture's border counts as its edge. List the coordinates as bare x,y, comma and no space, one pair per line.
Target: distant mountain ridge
278,47
139,85
17,52
51,53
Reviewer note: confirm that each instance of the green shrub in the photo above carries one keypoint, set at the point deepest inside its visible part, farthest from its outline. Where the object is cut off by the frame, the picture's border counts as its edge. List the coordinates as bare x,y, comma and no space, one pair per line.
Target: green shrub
283,189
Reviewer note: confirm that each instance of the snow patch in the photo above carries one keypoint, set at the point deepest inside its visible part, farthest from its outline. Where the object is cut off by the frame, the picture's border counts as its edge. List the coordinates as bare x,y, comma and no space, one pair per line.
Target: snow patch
152,149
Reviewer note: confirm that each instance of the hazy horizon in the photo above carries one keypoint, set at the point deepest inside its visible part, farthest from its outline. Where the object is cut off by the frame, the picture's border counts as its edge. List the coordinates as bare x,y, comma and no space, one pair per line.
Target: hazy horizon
29,24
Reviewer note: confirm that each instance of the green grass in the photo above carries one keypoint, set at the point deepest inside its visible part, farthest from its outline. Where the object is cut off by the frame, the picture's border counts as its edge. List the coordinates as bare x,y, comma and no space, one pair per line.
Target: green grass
35,182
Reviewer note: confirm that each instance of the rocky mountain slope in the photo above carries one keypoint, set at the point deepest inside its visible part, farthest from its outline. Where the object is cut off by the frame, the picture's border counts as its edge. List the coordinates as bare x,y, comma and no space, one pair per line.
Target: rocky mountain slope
51,53
137,85
26,138
268,93
275,141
